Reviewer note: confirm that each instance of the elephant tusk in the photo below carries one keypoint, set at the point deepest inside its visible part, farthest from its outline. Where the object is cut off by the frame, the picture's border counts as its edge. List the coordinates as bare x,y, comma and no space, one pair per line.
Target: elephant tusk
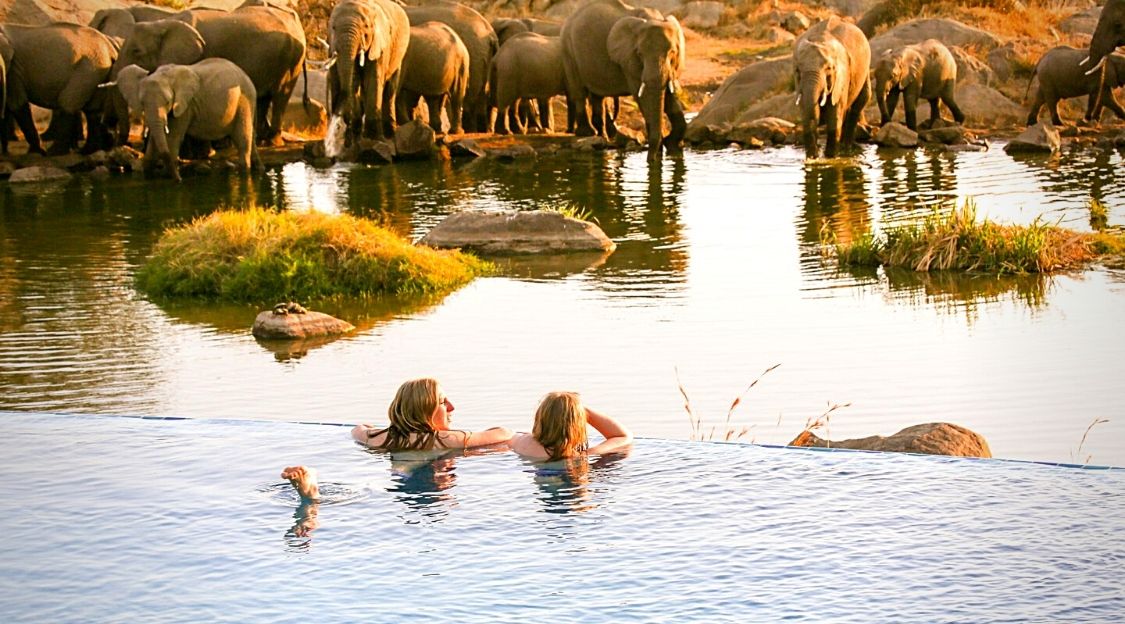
824,98
1097,67
106,85
166,130
672,87
330,63
362,58
324,43
798,98
641,90
1085,60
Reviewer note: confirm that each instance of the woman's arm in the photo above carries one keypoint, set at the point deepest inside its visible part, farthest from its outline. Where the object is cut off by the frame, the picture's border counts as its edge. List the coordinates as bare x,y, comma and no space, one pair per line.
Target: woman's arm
495,435
362,433
617,435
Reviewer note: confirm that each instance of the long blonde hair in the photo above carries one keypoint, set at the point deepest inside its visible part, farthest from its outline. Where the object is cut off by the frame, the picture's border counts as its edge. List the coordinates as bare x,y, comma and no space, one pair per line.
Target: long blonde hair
409,414
560,425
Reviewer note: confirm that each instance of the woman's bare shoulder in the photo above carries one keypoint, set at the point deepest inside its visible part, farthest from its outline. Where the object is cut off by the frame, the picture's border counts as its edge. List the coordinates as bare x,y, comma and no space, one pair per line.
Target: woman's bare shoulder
525,444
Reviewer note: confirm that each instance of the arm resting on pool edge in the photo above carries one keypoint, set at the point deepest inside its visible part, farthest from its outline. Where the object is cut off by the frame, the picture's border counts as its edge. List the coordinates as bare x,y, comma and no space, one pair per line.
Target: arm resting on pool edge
617,436
467,439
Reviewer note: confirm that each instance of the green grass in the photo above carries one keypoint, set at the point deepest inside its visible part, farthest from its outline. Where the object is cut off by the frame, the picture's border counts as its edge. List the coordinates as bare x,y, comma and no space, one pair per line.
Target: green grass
573,211
1099,215
959,242
258,255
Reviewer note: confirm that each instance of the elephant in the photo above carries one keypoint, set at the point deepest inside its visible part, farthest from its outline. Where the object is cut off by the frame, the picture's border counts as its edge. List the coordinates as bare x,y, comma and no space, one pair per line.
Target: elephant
436,68
1061,76
527,66
120,22
506,27
924,70
367,42
59,66
273,62
210,100
831,64
481,42
612,49
6,53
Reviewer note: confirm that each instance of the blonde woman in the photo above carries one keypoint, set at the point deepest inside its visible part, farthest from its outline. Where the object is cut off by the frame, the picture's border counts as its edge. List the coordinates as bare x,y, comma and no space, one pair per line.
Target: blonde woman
560,430
420,416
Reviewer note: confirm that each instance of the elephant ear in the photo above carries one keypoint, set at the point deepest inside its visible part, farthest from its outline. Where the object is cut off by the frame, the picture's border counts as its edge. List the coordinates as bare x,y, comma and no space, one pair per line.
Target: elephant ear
378,39
180,43
129,84
681,45
622,41
185,85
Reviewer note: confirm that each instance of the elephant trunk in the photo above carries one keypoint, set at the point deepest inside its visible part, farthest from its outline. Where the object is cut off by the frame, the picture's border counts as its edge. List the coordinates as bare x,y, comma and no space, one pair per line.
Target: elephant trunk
882,87
347,51
1106,38
656,78
156,119
811,87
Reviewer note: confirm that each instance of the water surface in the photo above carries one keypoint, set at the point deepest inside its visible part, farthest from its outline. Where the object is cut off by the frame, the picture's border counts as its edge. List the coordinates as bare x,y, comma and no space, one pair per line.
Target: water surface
717,275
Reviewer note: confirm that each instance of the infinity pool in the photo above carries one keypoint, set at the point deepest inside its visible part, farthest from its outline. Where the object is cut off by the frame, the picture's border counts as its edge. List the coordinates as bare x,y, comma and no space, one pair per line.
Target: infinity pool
136,520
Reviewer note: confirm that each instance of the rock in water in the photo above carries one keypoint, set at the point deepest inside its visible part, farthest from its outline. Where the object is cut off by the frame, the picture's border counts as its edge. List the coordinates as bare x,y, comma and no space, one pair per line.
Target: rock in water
894,134
538,231
282,323
1042,137
38,174
929,439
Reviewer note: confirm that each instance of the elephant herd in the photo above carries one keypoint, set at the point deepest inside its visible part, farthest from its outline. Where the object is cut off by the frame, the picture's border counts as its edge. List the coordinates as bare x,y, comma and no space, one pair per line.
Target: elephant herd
833,62
213,74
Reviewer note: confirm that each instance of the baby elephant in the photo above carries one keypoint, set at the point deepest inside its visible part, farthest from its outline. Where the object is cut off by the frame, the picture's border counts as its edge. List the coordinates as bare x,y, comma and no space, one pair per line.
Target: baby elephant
924,70
527,66
209,100
436,67
1061,76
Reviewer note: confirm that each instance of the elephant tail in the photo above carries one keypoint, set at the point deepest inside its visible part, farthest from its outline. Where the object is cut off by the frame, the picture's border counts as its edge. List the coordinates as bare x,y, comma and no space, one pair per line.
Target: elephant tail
1030,80
305,96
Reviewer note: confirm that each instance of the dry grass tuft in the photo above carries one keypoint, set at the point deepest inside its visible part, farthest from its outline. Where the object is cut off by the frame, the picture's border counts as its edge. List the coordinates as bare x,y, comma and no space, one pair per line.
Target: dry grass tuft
728,432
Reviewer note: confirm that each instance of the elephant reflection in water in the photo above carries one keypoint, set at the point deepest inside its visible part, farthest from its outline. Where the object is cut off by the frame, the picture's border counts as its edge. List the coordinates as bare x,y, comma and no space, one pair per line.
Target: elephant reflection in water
1089,171
836,202
915,178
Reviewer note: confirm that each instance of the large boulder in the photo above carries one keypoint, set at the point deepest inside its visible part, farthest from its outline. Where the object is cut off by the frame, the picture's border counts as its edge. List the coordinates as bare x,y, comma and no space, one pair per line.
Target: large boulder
1081,23
666,7
703,14
291,321
415,140
42,12
1040,138
38,174
984,107
311,120
742,90
929,439
970,69
950,32
894,134
538,231
766,130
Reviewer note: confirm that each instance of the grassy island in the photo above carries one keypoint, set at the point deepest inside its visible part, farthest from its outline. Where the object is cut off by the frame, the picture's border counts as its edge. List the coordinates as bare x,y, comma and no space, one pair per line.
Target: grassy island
259,255
959,242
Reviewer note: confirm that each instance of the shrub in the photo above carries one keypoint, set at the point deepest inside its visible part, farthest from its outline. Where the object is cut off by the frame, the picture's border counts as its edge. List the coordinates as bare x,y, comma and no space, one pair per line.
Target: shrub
259,255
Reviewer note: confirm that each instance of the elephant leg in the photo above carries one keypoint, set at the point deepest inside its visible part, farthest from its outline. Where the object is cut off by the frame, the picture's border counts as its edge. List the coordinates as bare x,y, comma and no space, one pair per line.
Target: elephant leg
830,115
1053,106
892,103
513,121
23,118
261,116
66,131
4,133
910,105
456,104
176,134
853,115
435,104
1033,112
546,115
935,112
675,111
951,104
577,94
1112,104
390,97
371,104
502,118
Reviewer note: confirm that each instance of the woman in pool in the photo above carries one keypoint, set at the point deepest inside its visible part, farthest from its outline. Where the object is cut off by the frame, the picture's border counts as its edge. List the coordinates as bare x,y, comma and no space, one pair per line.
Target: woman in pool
559,431
420,416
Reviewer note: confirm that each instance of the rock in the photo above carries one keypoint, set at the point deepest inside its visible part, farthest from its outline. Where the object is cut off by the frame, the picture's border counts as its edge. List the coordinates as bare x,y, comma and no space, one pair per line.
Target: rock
590,144
101,171
124,157
782,106
1001,61
929,439
970,69
465,148
271,325
742,90
375,151
967,147
99,158
1081,23
517,151
317,87
1042,137
414,140
6,168
44,173
767,129
779,36
539,231
1120,140
71,162
703,14
894,134
850,8
314,149
795,22
313,121
322,162
666,7
950,32
627,139
946,132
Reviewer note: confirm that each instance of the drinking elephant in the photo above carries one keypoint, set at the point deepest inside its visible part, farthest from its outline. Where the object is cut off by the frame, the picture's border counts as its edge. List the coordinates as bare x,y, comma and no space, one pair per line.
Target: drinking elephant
267,42
831,61
528,66
506,27
436,68
210,100
367,42
481,42
120,22
612,49
924,70
1061,75
59,66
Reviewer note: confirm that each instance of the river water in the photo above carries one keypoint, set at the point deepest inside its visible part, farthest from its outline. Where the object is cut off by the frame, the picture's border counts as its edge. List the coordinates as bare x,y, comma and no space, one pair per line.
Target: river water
717,277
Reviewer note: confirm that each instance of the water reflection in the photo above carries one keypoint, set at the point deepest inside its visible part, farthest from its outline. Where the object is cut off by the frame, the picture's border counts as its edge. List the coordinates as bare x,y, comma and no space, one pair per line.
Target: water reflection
423,481
836,202
564,487
913,179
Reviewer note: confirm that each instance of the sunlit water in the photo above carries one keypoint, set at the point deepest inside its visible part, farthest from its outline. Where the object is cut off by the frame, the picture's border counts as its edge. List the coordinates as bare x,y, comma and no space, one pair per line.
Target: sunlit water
334,137
717,274
127,520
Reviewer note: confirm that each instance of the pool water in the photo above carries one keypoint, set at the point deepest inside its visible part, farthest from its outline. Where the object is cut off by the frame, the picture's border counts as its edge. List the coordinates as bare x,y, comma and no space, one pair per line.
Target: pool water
134,520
